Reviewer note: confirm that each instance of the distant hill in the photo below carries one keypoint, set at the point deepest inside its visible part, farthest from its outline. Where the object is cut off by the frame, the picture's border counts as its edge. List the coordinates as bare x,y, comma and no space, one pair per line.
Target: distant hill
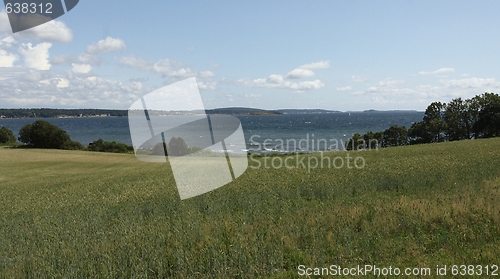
243,111
307,111
54,113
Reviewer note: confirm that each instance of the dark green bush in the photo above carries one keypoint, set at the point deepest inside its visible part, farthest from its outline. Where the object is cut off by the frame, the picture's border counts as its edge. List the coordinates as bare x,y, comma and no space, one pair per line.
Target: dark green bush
6,136
101,145
72,145
42,134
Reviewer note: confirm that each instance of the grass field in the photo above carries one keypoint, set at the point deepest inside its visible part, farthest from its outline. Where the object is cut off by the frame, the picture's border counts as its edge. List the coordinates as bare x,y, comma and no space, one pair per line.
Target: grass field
73,214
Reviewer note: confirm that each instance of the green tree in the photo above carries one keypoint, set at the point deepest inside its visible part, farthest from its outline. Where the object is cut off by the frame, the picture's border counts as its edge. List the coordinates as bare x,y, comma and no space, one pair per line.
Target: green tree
42,134
373,140
6,136
177,147
395,136
488,122
432,128
418,133
456,116
434,121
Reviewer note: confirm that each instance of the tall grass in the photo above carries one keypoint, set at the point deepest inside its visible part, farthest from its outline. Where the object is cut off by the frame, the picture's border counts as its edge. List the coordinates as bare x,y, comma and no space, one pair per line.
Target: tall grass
76,214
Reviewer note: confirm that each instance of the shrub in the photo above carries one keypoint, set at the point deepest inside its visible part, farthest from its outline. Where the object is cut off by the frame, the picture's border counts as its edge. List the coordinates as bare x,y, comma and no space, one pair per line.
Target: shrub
6,136
72,145
101,145
42,134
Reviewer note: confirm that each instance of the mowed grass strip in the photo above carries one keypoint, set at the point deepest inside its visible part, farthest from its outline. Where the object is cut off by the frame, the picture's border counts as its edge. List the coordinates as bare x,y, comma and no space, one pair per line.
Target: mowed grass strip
76,214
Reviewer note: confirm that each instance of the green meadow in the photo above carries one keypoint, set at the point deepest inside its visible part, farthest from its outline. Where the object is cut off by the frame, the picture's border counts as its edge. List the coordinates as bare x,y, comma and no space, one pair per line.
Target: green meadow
74,214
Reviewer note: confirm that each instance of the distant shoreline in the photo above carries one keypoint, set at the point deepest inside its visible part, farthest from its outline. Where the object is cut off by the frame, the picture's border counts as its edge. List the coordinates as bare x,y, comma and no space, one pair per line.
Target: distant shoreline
91,113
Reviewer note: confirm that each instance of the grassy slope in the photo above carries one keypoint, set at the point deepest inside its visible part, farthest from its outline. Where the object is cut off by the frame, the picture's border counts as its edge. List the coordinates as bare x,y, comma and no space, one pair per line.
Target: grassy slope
82,214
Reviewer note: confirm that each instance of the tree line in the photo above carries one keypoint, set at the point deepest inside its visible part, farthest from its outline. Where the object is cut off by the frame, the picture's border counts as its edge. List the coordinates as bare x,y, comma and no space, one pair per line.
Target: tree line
42,134
478,117
51,113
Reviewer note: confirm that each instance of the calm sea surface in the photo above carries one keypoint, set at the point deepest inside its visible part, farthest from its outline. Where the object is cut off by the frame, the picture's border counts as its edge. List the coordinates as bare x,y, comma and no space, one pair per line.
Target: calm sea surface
271,130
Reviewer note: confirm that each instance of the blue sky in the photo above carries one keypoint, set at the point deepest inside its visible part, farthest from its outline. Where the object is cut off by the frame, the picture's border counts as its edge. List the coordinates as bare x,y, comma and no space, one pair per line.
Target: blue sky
339,55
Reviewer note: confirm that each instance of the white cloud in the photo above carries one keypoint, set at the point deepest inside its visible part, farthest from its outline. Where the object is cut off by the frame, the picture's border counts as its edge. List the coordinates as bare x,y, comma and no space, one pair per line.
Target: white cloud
31,76
345,88
52,31
213,65
83,58
107,45
280,81
62,83
305,70
277,81
471,83
182,73
299,73
165,67
207,85
394,91
7,42
388,82
36,57
137,63
207,74
316,65
7,59
357,79
81,68
438,71
25,88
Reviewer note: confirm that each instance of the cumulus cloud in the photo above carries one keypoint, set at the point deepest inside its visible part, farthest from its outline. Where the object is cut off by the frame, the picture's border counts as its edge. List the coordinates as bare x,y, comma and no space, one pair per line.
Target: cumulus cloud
280,81
207,74
316,65
299,73
472,83
83,58
25,88
7,59
213,65
165,67
438,71
36,57
357,79
345,88
62,83
52,31
137,63
105,46
207,85
81,68
305,71
394,91
277,81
